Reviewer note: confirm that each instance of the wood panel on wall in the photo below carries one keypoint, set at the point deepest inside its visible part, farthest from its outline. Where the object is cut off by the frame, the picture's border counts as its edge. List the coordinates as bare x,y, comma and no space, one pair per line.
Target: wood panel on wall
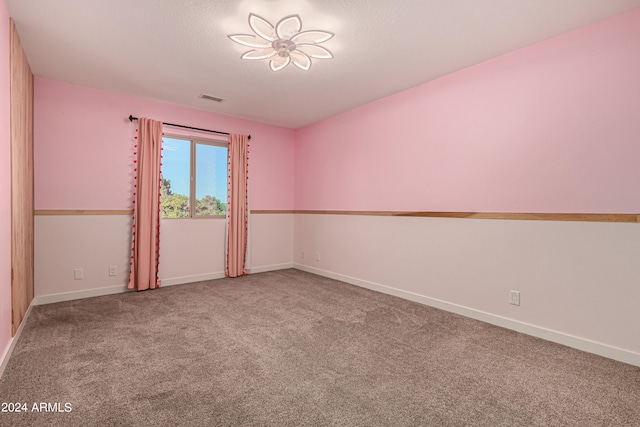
21,83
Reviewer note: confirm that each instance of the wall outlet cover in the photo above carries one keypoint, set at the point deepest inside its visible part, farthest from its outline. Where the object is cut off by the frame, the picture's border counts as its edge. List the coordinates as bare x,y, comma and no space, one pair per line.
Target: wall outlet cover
514,297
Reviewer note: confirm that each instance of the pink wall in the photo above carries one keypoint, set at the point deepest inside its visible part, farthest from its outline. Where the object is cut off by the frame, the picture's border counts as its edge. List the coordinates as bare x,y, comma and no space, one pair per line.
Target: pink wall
83,148
549,128
5,185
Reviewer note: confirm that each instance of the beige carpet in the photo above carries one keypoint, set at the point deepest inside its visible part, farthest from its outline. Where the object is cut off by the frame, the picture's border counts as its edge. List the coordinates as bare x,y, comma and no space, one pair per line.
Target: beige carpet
289,348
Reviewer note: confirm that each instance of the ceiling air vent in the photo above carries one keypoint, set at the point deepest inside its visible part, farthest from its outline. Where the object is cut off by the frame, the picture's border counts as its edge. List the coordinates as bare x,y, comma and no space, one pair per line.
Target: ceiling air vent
210,98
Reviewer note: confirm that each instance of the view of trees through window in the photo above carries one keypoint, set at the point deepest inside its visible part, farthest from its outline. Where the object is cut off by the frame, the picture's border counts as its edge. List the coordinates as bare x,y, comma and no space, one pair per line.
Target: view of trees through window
186,161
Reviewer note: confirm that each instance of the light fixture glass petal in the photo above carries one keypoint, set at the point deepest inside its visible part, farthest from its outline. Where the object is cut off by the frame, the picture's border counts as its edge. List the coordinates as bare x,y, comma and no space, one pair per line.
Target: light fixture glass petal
259,54
301,60
314,51
312,37
283,43
288,26
262,27
279,62
249,40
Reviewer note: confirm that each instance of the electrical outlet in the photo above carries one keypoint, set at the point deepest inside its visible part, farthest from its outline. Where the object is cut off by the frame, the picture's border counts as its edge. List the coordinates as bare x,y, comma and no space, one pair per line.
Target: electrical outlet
317,256
302,255
112,270
78,274
514,297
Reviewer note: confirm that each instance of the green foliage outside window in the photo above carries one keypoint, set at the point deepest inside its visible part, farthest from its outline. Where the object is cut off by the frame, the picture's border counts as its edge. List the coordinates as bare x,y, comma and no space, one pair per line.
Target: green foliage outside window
177,205
209,205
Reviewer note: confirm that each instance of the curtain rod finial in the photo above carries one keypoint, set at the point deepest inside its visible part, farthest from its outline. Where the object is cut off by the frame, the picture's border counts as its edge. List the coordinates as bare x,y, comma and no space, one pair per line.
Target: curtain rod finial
131,118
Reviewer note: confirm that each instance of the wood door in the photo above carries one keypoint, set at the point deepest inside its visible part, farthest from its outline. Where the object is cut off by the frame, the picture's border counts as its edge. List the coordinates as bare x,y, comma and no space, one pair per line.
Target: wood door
21,82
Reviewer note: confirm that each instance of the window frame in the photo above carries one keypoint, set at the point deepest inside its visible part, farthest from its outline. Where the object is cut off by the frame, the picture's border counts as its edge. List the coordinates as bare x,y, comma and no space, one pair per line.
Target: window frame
193,141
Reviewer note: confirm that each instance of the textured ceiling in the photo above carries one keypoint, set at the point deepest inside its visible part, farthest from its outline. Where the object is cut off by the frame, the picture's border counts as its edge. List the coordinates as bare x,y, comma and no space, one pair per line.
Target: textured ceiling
175,50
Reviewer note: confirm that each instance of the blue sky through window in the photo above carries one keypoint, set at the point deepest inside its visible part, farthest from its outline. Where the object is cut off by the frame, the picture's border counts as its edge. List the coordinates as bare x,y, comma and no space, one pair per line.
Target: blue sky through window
211,171
211,168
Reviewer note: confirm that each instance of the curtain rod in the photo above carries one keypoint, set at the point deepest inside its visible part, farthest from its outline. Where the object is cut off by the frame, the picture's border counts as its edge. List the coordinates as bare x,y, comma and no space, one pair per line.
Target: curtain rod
131,118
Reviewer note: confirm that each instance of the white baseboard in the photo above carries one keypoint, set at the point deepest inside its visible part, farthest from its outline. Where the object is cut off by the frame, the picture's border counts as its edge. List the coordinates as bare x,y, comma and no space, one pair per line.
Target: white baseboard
273,267
589,346
98,292
70,296
12,343
192,279
220,275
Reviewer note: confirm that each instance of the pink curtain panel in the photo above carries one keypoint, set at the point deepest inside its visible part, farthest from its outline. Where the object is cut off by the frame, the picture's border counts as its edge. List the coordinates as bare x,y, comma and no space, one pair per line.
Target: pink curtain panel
237,206
145,249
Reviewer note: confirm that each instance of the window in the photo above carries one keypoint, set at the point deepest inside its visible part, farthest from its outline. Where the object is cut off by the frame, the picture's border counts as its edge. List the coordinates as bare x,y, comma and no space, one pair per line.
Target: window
194,178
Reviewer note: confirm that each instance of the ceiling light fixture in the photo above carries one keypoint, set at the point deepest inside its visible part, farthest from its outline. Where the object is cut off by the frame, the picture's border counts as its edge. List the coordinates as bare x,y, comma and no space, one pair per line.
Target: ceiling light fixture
283,44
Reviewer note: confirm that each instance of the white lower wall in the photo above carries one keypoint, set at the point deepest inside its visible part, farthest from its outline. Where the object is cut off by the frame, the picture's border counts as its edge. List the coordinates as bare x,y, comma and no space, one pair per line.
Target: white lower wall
63,243
579,282
191,250
271,241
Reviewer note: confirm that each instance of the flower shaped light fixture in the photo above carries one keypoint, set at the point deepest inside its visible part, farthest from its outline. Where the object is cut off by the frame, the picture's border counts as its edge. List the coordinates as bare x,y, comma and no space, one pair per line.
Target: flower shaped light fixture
283,44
